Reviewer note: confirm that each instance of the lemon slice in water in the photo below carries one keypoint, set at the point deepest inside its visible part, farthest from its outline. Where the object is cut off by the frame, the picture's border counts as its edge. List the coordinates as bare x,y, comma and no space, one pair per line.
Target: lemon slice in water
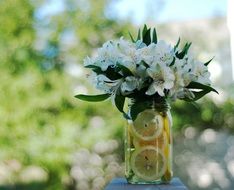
148,163
147,125
158,142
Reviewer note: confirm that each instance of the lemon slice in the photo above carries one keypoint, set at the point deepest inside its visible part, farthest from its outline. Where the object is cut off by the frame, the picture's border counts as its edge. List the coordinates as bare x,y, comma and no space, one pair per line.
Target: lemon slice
158,142
148,163
147,125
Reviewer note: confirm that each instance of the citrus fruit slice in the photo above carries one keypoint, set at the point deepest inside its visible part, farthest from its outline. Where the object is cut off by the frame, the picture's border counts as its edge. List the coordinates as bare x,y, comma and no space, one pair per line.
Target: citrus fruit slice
158,142
148,125
148,163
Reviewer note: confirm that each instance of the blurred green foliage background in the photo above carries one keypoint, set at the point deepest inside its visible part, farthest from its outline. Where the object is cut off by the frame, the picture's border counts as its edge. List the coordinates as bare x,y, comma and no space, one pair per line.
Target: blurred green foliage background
48,139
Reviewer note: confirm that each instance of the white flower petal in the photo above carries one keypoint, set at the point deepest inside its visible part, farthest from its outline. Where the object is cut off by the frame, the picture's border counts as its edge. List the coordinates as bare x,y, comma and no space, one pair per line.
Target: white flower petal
151,90
168,84
160,91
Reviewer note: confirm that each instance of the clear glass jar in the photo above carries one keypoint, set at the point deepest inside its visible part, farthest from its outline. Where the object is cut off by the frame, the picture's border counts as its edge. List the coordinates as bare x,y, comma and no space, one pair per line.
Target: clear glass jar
148,147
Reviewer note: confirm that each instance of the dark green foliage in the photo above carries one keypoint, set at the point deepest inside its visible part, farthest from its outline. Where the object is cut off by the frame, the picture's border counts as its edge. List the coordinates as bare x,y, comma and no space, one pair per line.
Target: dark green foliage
155,39
208,62
204,89
206,114
177,44
141,102
196,85
119,102
95,69
41,122
146,36
138,107
93,98
126,72
139,34
184,51
17,36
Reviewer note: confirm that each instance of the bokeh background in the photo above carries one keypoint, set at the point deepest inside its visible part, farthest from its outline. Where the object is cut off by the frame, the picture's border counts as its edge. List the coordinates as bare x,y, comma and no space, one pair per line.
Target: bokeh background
50,140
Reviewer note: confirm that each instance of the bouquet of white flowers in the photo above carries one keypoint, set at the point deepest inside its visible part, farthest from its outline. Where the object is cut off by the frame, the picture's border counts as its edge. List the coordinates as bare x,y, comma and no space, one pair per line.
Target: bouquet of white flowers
146,69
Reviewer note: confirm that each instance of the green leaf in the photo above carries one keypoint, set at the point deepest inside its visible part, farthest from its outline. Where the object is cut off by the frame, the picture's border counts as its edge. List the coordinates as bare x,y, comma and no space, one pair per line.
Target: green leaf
126,72
204,90
184,51
112,74
173,62
147,38
207,63
187,48
144,63
196,85
119,102
177,44
131,37
144,31
138,107
179,55
139,34
109,72
93,98
155,39
197,95
93,67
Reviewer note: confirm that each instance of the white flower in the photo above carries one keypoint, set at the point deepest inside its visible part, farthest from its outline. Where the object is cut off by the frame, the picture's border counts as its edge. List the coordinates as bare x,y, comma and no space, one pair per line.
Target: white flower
178,82
164,53
151,67
128,63
184,67
108,55
128,55
183,76
131,83
147,53
163,78
160,52
105,84
123,45
188,75
201,73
